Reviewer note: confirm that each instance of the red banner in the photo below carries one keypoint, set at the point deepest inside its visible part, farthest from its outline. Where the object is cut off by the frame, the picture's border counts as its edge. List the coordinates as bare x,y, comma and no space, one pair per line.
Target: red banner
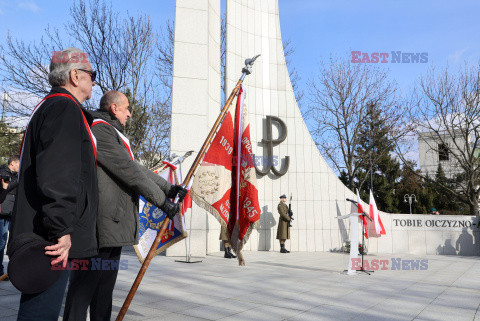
245,208
225,183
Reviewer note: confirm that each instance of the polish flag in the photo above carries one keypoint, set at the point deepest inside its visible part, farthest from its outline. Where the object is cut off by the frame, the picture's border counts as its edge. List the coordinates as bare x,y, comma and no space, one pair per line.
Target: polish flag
360,210
187,201
377,222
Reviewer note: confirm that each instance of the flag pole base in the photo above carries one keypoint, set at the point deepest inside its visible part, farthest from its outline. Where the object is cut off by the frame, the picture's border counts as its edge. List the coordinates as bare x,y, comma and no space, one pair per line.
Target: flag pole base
354,272
181,261
188,260
366,271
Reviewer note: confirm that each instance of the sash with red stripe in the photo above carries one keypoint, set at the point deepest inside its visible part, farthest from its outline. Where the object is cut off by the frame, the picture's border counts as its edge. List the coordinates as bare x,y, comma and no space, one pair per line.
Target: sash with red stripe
85,122
125,140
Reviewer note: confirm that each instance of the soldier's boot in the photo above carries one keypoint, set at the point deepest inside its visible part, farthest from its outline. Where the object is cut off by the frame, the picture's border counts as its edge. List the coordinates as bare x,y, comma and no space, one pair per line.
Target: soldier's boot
227,253
230,252
283,249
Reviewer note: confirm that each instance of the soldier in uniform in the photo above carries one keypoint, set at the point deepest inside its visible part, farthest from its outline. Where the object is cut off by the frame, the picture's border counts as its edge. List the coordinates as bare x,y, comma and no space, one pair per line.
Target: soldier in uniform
226,244
283,232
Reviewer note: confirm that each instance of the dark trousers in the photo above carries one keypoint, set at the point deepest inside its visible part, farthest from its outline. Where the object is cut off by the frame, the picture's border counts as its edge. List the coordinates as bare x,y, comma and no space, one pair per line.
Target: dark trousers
44,306
93,287
4,224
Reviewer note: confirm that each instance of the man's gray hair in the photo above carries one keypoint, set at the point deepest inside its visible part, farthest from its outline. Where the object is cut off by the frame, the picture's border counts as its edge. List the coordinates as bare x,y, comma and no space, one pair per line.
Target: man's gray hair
64,61
109,98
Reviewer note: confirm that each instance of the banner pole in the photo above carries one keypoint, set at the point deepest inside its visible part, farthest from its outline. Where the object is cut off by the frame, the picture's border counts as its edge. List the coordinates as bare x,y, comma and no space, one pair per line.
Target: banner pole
187,251
190,239
245,71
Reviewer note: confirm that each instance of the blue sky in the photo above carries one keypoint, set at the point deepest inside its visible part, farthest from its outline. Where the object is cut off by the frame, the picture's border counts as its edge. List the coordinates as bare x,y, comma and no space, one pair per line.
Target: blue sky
449,31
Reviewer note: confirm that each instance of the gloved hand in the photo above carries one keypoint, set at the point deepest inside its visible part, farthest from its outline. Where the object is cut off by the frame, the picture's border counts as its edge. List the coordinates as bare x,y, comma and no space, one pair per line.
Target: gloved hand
170,208
177,189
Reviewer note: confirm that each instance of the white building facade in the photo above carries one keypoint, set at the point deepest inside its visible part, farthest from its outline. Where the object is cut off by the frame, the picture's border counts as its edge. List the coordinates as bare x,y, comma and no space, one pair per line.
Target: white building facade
436,148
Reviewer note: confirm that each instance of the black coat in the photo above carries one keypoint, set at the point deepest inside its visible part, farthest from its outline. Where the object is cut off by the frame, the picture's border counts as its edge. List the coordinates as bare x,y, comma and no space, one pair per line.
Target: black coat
121,180
57,191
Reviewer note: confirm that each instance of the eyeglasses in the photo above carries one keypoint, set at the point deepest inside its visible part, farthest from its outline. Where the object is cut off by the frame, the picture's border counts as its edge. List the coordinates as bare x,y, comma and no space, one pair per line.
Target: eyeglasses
93,74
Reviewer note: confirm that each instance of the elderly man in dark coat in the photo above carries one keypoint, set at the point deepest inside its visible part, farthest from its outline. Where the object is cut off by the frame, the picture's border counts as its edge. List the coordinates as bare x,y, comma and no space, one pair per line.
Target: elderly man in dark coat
57,193
283,231
121,180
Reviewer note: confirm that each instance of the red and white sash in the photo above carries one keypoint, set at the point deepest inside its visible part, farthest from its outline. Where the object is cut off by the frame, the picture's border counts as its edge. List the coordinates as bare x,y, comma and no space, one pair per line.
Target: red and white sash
125,140
93,140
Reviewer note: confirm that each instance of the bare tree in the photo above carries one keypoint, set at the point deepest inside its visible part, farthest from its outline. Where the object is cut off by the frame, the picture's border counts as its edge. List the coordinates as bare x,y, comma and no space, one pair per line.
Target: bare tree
156,144
124,51
339,98
288,51
24,74
447,120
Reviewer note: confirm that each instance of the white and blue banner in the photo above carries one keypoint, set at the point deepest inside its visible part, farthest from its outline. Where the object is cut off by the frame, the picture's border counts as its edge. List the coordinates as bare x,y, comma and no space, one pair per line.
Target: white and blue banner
151,219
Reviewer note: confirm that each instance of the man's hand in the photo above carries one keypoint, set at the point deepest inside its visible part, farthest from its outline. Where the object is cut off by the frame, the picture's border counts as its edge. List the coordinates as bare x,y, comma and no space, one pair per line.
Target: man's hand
170,208
60,249
4,184
177,190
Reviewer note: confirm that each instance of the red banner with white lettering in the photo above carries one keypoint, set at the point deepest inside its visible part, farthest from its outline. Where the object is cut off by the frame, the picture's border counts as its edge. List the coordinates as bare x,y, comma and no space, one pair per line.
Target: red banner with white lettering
225,184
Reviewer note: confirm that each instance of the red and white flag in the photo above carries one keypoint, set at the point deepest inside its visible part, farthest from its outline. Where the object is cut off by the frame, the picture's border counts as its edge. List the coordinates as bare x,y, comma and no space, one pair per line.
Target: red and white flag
361,210
187,201
377,228
246,209
225,183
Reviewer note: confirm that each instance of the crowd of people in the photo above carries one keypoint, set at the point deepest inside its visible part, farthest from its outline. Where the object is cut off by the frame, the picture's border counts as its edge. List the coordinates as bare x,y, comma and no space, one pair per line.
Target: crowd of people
72,196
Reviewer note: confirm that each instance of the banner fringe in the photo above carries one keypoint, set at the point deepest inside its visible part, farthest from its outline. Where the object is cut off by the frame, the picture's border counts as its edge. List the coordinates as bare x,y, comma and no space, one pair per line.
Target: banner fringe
200,201
161,249
238,246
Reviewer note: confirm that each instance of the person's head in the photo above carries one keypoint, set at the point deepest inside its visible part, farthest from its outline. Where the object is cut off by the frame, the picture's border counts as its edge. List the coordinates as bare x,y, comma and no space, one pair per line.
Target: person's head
13,163
71,70
117,105
283,198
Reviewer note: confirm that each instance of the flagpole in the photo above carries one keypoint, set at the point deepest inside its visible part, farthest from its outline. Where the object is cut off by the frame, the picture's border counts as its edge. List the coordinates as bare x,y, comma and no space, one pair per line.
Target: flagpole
245,71
187,250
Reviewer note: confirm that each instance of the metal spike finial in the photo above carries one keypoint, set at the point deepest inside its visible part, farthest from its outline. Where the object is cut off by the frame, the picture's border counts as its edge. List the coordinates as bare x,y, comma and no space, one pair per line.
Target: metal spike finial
248,65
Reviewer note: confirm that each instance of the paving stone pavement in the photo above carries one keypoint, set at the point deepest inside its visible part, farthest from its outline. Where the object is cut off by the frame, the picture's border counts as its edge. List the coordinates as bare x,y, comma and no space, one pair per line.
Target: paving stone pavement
295,286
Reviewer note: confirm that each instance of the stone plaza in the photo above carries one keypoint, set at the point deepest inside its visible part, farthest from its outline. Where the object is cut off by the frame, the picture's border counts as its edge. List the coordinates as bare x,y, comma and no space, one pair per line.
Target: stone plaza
295,286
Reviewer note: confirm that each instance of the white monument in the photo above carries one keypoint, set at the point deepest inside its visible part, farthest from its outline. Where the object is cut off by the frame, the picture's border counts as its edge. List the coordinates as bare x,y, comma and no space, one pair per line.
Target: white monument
253,27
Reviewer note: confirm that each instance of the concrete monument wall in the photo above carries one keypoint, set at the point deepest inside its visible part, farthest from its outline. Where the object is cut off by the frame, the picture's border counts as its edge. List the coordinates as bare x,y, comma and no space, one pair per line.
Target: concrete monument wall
195,94
428,234
253,27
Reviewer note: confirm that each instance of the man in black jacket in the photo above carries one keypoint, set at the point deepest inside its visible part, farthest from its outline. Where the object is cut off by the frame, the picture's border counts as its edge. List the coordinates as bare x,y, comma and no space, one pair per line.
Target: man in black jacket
57,195
121,180
8,177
